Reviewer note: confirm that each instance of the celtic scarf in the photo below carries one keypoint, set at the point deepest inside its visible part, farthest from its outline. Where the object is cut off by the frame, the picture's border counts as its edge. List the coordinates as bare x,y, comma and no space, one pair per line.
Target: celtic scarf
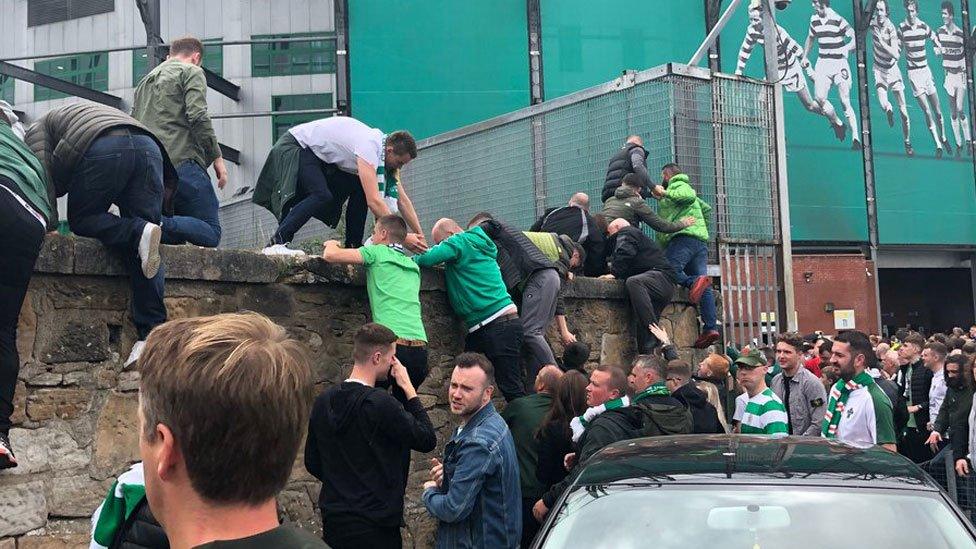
578,424
125,494
839,394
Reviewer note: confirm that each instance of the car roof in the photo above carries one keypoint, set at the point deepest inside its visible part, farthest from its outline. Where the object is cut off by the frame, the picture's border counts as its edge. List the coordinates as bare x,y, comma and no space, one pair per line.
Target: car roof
745,459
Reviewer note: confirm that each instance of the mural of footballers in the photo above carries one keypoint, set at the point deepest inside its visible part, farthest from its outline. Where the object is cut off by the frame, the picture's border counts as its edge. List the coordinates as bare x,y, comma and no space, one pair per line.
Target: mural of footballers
790,60
887,74
835,40
952,39
915,35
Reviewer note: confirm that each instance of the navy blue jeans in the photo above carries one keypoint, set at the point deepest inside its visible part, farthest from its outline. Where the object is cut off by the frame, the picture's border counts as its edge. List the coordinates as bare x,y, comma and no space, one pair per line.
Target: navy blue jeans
125,170
689,259
195,205
322,190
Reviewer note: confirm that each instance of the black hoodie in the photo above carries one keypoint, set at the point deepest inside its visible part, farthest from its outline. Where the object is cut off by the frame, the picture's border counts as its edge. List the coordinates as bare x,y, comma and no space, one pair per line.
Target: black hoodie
359,442
704,417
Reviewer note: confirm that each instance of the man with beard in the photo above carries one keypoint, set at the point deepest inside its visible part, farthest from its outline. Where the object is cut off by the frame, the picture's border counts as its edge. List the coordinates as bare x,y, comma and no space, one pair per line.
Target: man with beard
954,413
858,412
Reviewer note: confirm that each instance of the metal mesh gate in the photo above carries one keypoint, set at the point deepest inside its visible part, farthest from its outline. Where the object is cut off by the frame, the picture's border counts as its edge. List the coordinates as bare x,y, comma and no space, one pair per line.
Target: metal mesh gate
721,130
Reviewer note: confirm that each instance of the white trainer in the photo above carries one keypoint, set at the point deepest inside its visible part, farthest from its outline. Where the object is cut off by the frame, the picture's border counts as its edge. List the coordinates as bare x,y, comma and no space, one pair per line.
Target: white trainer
149,249
137,348
281,249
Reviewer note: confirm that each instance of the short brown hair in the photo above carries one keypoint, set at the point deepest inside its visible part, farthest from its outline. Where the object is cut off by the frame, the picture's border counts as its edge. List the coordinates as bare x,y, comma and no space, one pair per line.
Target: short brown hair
793,339
679,368
916,339
402,143
618,378
476,360
938,349
718,364
395,226
371,338
236,392
186,45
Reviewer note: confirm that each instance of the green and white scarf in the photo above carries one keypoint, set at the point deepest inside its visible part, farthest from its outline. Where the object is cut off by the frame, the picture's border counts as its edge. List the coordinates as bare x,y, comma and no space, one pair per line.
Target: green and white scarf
839,394
129,489
388,188
578,424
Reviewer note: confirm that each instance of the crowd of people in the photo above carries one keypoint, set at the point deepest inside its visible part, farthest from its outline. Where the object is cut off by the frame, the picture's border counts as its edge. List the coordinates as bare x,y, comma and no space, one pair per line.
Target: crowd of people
215,454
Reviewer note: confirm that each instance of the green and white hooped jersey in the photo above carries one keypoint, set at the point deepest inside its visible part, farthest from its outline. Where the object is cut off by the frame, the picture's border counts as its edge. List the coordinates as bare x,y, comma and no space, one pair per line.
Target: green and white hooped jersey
764,414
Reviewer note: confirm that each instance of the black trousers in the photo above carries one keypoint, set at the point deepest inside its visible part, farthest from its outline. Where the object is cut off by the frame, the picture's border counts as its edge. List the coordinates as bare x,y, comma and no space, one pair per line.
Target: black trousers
501,342
322,190
414,359
650,293
913,445
530,526
347,531
21,235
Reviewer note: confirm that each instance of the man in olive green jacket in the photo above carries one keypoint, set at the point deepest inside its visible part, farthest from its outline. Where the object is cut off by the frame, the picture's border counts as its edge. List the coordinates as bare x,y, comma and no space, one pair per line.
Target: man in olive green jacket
172,102
687,249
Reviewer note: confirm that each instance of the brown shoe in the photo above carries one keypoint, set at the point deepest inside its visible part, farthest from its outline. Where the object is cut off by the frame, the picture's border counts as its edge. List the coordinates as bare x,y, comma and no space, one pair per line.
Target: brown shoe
697,289
706,339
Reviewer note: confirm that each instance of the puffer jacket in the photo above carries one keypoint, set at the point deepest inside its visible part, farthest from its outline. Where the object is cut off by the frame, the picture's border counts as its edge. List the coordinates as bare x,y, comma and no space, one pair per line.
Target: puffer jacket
680,200
62,136
631,158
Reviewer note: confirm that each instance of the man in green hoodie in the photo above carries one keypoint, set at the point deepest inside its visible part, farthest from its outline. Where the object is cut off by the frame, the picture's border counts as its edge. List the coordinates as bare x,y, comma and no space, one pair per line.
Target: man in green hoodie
687,249
25,211
478,295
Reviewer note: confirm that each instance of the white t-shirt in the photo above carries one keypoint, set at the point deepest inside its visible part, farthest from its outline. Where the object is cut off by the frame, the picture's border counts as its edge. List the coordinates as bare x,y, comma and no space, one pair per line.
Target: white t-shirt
340,140
740,407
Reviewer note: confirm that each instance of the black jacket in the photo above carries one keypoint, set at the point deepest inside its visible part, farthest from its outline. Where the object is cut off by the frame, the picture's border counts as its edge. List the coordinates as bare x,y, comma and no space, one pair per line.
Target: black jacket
630,158
635,253
578,224
651,416
899,405
959,427
921,382
518,258
359,442
555,441
704,416
140,531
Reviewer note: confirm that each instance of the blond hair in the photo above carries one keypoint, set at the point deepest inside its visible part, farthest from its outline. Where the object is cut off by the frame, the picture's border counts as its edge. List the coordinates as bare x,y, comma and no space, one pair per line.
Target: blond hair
235,391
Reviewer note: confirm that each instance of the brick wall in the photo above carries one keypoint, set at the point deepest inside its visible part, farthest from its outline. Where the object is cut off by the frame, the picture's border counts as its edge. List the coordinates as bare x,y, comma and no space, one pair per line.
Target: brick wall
847,281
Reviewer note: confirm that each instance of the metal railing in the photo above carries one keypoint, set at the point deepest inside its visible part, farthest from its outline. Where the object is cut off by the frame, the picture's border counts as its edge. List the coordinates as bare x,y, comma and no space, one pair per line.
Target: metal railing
723,131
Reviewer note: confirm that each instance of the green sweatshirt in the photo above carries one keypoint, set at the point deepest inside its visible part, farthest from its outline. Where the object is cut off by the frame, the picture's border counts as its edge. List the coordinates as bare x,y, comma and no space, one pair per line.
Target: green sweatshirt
19,164
680,200
474,283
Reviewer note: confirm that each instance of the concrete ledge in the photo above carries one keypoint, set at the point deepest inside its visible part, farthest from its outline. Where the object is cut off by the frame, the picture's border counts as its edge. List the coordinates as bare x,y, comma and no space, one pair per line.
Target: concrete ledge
85,256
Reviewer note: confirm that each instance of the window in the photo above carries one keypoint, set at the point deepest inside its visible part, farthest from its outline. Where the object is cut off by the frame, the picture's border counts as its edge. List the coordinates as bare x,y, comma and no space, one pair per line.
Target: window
7,88
281,122
42,12
213,60
285,58
88,70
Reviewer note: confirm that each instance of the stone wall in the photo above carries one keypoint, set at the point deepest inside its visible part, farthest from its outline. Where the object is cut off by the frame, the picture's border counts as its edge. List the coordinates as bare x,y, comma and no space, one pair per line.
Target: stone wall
75,423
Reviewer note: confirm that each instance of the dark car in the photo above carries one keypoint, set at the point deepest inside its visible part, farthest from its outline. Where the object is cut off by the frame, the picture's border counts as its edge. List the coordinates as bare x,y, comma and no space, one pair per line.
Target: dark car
752,492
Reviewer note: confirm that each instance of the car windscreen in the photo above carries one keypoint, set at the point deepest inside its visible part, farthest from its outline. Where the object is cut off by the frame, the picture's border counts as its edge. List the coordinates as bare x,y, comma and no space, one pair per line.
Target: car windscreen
754,517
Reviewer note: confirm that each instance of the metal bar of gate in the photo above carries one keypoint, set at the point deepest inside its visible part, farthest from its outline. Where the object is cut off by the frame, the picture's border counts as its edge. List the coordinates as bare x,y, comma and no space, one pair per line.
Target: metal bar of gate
761,297
723,265
749,285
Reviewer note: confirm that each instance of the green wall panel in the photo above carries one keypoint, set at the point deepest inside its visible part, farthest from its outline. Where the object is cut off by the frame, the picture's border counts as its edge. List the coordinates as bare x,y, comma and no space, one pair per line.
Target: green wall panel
921,199
432,66
826,178
588,42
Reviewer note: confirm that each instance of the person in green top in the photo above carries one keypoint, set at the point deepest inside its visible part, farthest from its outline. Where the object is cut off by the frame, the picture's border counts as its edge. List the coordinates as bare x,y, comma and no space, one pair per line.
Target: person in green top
393,285
25,212
478,295
687,249
524,418
763,413
172,102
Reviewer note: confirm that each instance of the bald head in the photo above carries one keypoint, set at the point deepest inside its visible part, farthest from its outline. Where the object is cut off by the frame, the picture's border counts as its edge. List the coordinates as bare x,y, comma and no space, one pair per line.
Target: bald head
616,225
581,200
444,228
547,378
636,140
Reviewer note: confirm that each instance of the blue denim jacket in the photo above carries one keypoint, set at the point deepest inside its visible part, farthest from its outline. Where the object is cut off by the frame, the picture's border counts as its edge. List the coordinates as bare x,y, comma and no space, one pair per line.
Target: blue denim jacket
480,502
